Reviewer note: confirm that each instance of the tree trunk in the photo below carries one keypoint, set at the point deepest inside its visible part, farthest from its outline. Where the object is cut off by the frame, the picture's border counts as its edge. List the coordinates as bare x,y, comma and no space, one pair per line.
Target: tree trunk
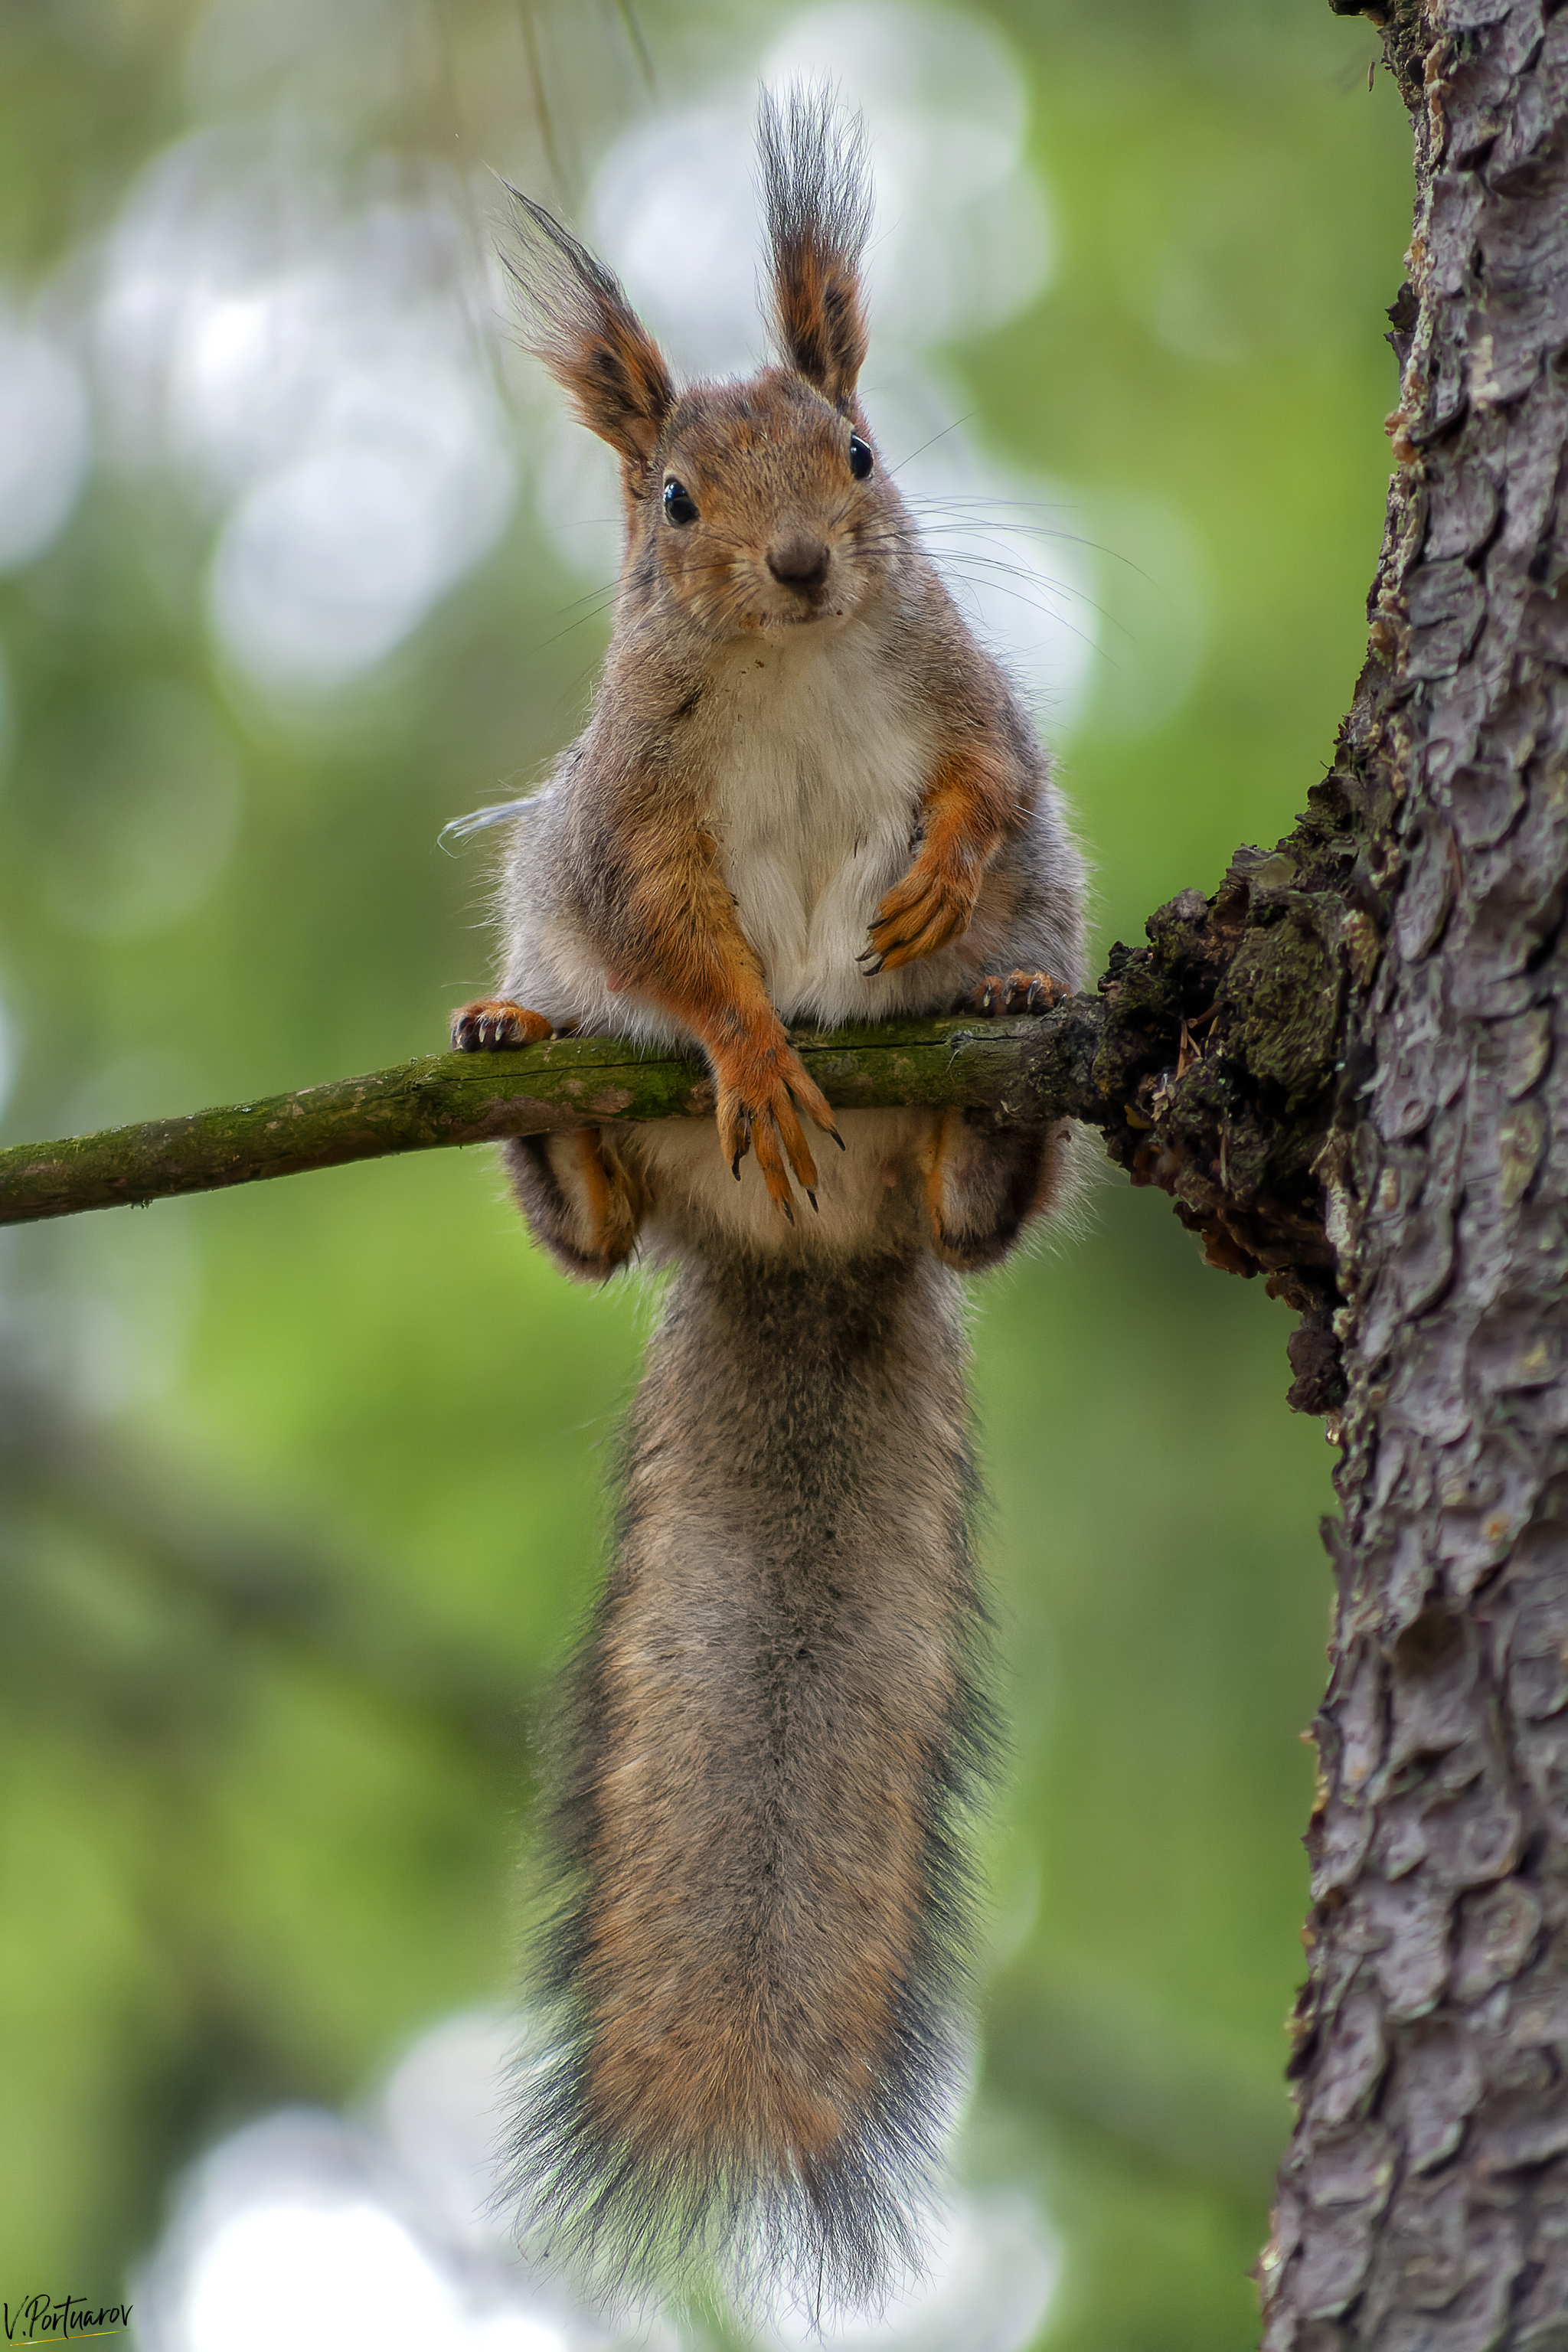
1424,2200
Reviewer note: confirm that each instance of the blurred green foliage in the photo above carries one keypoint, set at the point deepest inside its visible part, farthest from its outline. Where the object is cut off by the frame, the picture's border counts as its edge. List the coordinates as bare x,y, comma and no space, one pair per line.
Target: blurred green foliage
302,1484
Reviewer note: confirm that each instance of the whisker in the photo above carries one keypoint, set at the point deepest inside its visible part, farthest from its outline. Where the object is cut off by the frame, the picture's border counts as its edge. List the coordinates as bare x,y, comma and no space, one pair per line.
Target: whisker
1074,595
606,598
1048,611
954,561
994,524
958,565
1000,563
932,442
1040,531
957,520
966,553
977,498
606,588
999,566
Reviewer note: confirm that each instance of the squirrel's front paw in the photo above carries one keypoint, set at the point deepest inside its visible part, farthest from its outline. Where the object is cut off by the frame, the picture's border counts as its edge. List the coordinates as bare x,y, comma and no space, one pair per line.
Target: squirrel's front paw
492,1021
929,907
1013,992
758,1087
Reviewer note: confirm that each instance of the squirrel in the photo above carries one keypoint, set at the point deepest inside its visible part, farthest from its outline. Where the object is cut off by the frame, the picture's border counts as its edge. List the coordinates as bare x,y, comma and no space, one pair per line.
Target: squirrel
805,794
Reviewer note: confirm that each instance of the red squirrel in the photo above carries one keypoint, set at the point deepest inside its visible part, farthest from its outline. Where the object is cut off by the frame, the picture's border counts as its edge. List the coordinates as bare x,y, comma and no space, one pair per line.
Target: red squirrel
805,794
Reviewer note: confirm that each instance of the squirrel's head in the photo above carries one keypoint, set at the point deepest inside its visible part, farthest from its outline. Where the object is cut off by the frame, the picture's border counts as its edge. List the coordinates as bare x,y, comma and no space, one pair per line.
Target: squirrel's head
755,506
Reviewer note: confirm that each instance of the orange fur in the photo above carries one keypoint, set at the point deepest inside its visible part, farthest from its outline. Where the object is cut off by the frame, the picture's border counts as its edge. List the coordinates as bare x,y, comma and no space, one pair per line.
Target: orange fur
683,2060
965,814
687,952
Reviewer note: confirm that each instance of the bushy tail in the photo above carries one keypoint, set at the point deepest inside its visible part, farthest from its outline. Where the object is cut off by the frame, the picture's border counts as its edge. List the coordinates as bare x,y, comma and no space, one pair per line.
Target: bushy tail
757,1974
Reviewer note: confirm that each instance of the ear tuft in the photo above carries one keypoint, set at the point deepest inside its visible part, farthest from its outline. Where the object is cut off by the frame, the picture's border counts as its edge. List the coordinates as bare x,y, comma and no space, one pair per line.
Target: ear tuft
816,191
577,320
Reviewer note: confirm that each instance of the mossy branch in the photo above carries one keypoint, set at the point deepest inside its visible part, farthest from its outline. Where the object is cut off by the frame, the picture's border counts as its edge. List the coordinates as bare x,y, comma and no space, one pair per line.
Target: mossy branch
1024,1070
1211,1060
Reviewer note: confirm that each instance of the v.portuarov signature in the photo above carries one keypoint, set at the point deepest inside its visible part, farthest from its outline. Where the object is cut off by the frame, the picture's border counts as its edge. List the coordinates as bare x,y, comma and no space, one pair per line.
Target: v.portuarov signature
55,2318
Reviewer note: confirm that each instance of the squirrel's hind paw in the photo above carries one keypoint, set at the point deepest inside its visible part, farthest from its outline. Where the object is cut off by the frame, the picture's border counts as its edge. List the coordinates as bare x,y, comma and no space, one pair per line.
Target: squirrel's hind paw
983,1189
584,1198
495,1021
1013,992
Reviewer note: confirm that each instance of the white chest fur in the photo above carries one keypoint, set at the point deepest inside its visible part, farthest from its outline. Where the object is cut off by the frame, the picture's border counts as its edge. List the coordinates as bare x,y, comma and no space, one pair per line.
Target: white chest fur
819,765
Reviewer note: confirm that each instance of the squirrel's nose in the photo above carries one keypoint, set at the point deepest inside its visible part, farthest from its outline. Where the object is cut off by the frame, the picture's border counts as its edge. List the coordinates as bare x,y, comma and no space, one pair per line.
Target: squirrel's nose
800,561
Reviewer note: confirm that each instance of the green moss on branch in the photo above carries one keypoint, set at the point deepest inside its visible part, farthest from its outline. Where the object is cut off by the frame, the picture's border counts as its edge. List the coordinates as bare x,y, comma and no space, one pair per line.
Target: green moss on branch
1211,1058
1022,1070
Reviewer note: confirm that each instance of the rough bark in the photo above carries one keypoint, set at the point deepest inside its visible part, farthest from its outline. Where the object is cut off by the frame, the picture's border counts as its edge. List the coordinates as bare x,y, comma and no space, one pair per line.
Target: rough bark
1424,2200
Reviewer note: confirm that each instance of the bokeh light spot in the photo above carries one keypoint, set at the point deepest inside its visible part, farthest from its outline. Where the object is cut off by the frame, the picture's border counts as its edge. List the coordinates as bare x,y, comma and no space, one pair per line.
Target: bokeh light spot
45,443
318,2277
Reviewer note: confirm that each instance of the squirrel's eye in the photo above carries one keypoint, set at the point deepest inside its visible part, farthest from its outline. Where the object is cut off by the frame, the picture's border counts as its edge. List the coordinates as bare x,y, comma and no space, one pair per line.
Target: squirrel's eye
859,457
679,503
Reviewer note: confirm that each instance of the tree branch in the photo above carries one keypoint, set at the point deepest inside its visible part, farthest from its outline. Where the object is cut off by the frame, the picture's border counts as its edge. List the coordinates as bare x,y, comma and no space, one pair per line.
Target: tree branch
1211,1061
1023,1071
1208,1059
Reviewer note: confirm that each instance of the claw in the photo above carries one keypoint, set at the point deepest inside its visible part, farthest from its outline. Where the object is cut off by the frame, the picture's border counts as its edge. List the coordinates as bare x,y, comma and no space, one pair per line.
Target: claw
491,1022
1013,991
812,1198
891,939
762,1111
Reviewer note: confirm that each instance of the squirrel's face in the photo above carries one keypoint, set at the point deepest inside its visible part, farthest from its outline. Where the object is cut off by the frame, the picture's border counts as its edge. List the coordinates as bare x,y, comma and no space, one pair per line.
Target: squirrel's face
762,509
755,507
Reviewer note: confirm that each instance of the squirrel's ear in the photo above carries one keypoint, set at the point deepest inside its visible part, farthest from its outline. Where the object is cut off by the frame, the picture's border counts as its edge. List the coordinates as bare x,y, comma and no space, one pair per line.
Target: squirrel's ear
817,194
577,320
